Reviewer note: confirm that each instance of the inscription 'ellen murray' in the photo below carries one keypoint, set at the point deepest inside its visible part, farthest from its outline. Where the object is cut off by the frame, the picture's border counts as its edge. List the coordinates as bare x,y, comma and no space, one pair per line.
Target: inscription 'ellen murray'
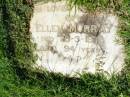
75,28
75,42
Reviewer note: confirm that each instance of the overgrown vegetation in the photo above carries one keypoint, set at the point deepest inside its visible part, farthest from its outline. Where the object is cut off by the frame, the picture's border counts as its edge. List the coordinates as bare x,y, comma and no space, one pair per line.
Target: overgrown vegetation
98,5
16,15
16,55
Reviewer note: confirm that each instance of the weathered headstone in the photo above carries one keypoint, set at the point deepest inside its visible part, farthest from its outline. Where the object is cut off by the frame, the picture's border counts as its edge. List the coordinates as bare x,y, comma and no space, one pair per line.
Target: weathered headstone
73,42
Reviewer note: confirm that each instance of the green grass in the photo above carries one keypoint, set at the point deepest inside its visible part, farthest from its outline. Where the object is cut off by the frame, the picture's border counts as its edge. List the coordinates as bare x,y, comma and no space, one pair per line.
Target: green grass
45,84
56,85
21,82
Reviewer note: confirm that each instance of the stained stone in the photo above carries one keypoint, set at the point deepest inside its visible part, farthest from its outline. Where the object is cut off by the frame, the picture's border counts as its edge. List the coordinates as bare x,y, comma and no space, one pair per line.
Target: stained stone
72,42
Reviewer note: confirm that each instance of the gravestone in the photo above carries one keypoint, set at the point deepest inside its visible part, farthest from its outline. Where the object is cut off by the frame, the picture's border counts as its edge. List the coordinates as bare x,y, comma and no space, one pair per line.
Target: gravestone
74,41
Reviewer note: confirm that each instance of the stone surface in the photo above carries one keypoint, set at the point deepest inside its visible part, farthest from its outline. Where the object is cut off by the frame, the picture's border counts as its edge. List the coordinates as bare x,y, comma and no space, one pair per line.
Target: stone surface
72,42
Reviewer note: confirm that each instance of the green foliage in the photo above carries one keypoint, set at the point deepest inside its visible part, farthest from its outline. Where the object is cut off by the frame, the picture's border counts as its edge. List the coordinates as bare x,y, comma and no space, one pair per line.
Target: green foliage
16,45
46,84
124,32
16,15
92,5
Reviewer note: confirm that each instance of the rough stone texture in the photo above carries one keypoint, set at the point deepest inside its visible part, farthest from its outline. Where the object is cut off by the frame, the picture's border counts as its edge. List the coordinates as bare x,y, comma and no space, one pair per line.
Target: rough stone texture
73,42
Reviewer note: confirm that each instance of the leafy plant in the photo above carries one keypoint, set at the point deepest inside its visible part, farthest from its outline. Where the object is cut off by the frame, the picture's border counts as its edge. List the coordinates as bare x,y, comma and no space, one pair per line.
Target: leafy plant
16,50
